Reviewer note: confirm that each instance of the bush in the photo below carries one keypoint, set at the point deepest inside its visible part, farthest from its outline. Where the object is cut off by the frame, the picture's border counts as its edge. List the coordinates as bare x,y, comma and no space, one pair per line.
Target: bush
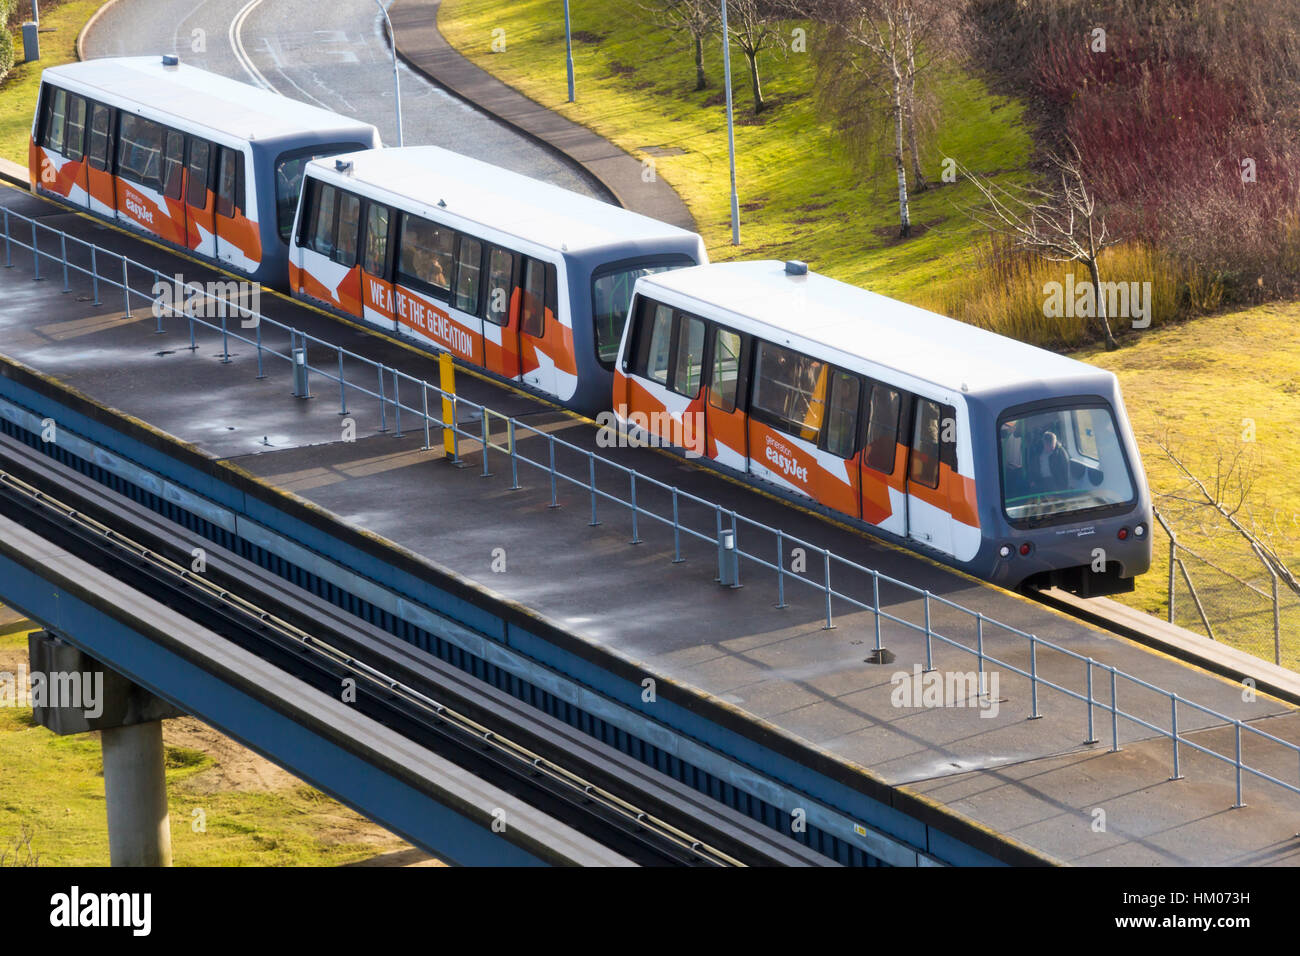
6,52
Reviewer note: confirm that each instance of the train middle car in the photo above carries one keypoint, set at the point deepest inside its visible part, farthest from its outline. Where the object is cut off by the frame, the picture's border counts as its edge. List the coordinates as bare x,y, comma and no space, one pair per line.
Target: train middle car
1008,461
524,279
201,162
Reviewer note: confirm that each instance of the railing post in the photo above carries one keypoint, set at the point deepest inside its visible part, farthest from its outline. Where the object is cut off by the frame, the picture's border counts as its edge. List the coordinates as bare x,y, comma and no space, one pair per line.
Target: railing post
158,330
383,402
780,569
397,406
9,256
555,502
94,266
929,643
483,419
1240,803
875,602
225,342
514,458
455,433
636,538
1173,707
424,398
1092,737
677,532
126,287
1114,711
63,254
826,563
979,644
36,259
260,372
343,394
591,471
1033,678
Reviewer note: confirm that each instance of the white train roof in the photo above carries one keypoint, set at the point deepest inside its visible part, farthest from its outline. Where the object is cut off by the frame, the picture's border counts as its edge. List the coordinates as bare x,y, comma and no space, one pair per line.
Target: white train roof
419,178
199,97
865,328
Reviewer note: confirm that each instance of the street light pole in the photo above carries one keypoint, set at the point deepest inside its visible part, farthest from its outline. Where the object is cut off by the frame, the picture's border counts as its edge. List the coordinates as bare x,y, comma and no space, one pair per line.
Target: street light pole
568,47
731,131
397,87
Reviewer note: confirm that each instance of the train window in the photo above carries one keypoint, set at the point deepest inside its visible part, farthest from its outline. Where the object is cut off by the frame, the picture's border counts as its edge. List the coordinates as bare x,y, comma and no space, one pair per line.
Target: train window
842,416
726,370
611,297
173,163
882,428
58,100
501,279
426,259
689,368
229,194
376,261
200,172
661,345
924,468
100,118
74,137
533,315
1047,471
322,239
345,242
139,150
790,392
469,266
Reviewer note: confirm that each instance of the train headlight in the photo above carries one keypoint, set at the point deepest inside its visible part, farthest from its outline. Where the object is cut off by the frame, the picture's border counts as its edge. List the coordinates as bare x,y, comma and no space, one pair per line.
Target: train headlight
1123,534
1005,551
1140,530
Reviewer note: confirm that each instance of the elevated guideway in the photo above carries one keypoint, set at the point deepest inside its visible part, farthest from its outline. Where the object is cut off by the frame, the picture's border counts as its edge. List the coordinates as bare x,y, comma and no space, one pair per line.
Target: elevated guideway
797,707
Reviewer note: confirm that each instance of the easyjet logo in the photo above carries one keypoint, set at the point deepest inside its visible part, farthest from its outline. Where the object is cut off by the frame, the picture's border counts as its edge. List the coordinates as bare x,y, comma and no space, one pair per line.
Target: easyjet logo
136,207
785,463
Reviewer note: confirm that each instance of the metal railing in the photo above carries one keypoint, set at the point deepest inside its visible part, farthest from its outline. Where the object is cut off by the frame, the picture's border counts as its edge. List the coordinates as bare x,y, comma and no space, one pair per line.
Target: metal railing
385,385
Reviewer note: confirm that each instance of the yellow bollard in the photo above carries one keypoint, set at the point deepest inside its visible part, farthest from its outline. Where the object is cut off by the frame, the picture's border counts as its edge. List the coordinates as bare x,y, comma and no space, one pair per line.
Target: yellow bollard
447,382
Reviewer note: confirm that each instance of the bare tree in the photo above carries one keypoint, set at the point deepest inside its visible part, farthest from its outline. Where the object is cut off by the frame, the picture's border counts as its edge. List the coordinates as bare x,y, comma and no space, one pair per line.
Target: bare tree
754,27
1060,224
697,18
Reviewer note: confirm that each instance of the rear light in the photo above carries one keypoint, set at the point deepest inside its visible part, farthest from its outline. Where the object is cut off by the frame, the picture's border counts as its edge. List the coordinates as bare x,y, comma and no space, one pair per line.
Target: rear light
1140,531
1025,548
1123,534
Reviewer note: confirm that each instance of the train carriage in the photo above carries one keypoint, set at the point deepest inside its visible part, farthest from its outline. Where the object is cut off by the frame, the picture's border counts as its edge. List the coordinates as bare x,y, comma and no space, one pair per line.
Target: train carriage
1006,460
524,279
202,162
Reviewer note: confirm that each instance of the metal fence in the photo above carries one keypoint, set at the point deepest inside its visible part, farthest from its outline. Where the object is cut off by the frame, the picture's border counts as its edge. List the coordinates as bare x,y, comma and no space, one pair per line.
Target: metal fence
688,517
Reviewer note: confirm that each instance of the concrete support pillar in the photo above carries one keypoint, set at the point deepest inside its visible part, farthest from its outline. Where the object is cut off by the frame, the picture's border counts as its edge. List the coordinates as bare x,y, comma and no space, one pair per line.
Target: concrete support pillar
135,790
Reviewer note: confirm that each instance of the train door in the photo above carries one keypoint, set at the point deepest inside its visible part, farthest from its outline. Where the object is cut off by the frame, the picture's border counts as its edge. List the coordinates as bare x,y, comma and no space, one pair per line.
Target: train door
173,188
786,415
74,149
537,333
232,231
99,161
502,307
346,273
928,518
884,459
200,198
724,410
376,268
838,478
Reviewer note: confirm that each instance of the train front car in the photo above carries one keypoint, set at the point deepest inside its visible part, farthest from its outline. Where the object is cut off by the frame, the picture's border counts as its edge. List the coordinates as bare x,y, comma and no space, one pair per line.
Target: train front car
198,161
1004,460
521,278
1063,497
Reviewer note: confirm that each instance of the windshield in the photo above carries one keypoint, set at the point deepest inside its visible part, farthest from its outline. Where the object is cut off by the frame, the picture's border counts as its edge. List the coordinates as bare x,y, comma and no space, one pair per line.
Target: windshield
1062,461
611,295
289,168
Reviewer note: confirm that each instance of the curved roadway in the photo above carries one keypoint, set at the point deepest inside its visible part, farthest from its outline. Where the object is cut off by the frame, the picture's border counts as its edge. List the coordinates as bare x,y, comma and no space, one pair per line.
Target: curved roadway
330,54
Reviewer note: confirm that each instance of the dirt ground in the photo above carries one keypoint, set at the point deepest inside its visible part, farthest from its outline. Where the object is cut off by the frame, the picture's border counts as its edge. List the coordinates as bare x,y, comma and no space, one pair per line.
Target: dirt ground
236,768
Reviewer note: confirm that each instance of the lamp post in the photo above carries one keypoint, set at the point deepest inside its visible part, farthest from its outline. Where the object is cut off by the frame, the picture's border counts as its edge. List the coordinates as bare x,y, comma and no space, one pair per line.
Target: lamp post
397,87
568,47
731,131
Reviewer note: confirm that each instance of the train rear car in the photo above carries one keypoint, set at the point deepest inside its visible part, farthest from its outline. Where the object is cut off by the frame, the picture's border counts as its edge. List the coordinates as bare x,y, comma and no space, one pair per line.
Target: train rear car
201,162
524,279
1005,460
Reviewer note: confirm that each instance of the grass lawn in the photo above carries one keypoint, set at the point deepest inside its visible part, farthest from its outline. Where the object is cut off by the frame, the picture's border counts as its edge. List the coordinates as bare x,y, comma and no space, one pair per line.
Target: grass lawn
800,196
19,89
54,786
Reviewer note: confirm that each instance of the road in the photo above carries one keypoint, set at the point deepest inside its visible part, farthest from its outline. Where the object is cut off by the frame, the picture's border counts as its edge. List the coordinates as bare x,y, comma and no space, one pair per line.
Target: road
329,54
